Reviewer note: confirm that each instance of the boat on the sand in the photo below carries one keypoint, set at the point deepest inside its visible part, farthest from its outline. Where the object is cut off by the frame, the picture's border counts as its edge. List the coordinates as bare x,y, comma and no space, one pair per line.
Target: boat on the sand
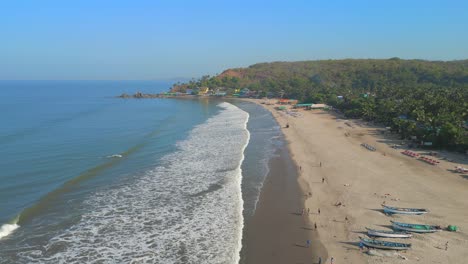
374,243
407,211
387,233
415,228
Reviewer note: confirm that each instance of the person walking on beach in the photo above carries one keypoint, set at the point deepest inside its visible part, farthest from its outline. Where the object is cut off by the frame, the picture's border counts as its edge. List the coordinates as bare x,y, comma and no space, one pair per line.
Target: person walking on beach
318,211
320,260
323,180
446,246
315,226
308,243
332,260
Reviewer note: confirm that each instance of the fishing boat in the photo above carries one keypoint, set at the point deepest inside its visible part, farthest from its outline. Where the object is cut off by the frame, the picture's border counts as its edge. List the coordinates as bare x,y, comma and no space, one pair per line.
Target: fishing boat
415,228
399,210
373,243
387,233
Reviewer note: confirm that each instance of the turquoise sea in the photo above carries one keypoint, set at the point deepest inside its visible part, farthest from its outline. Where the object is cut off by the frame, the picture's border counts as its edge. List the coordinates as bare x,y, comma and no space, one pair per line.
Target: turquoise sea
90,178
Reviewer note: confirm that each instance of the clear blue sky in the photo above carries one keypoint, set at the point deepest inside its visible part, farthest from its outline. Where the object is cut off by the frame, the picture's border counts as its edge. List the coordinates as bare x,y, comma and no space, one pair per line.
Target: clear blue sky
153,39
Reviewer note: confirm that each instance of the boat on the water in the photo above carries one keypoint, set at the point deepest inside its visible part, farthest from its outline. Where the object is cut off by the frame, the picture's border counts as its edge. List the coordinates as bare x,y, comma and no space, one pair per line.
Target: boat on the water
387,233
373,243
415,228
399,210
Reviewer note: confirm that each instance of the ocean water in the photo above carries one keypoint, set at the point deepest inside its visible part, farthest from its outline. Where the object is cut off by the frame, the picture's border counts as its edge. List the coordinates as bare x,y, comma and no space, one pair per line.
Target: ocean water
89,178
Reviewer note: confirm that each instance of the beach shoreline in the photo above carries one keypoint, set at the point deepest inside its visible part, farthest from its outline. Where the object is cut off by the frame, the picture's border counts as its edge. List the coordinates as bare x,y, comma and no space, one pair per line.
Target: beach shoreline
326,146
277,232
278,222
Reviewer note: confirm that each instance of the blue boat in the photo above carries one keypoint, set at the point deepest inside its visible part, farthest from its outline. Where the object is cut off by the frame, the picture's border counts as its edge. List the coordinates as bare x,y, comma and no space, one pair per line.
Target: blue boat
385,233
373,243
415,228
407,211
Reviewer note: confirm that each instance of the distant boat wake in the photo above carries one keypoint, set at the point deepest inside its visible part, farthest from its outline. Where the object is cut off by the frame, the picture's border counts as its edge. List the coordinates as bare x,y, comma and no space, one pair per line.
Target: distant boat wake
115,156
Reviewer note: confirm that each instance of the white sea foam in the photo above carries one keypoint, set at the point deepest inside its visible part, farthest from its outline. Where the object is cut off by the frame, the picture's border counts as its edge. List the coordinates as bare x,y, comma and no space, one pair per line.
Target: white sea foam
188,210
114,156
7,229
241,201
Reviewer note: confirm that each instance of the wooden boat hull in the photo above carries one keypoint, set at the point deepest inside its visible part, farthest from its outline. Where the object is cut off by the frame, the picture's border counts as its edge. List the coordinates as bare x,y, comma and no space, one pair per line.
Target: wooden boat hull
410,228
402,228
380,233
406,211
384,244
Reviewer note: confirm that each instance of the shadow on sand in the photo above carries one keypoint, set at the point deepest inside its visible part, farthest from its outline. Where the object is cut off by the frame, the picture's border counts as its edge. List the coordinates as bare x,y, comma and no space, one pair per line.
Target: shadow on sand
359,232
351,245
378,210
300,245
386,226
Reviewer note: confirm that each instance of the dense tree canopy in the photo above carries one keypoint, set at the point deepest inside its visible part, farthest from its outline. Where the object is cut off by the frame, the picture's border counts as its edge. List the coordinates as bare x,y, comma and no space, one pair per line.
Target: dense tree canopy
427,99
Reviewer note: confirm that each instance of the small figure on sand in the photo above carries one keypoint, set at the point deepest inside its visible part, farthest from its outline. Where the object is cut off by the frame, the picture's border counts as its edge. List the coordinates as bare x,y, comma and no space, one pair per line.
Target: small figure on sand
332,260
446,246
308,210
308,243
287,125
320,164
300,168
315,226
320,260
346,219
323,180
318,211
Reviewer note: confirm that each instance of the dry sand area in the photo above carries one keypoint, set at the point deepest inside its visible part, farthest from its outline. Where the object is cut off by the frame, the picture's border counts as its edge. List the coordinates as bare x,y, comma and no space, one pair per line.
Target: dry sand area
361,180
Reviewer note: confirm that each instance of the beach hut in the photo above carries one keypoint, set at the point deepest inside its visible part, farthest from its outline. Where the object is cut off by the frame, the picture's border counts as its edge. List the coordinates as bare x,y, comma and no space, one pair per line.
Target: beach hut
319,106
282,107
203,90
220,93
283,101
306,106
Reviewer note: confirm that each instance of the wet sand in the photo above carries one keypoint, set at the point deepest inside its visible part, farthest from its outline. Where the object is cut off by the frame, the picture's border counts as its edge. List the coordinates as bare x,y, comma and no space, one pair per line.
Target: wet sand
278,232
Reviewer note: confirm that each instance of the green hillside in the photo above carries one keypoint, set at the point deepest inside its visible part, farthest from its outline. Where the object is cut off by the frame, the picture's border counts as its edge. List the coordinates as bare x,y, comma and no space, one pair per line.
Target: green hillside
427,99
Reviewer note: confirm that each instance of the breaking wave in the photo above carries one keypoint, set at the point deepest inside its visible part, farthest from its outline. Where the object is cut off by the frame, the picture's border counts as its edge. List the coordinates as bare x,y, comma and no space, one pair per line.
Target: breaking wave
186,210
8,228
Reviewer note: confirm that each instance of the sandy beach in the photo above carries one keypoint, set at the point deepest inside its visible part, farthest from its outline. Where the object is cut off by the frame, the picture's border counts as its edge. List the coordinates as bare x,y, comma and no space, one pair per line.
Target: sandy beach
357,181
